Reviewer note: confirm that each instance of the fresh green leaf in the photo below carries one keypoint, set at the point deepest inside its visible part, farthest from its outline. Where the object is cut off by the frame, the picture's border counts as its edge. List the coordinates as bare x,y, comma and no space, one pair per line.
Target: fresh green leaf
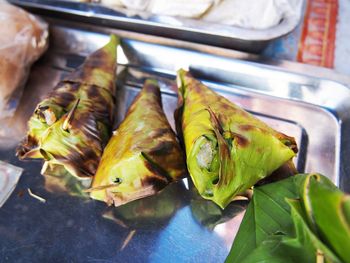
300,219
267,213
330,218
302,246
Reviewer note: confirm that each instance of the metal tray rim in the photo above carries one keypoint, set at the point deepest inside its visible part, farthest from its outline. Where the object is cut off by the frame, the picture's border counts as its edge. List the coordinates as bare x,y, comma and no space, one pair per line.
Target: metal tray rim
110,16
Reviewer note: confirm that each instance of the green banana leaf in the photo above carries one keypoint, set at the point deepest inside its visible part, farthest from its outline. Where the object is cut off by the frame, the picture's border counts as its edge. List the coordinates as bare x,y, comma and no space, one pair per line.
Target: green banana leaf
328,214
280,225
143,155
70,128
228,150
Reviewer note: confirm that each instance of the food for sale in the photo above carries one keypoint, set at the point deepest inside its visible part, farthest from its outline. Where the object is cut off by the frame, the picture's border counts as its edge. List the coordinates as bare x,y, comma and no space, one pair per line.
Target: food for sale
143,155
70,128
227,149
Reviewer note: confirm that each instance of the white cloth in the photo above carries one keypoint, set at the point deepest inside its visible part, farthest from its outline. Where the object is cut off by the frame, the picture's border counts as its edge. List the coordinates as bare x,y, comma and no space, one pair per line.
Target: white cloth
183,8
254,14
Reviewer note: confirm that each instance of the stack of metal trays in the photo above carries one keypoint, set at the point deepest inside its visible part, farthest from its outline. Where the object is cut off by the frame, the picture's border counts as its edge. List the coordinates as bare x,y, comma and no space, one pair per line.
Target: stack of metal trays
198,31
309,103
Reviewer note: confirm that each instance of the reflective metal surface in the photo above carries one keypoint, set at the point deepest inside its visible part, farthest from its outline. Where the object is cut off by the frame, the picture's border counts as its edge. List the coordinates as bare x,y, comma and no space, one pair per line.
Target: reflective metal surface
175,27
176,225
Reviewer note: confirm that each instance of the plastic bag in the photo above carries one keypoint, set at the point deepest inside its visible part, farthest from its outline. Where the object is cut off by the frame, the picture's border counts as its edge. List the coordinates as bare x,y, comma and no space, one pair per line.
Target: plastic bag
9,176
23,39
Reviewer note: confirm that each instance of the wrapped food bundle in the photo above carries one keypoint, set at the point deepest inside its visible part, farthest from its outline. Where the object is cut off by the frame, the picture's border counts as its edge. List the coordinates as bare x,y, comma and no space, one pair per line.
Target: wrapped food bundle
70,128
23,39
227,149
143,155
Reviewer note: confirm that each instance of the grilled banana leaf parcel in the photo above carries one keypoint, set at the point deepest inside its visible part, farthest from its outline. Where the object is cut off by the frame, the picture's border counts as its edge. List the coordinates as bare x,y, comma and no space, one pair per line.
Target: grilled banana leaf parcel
227,149
70,128
143,155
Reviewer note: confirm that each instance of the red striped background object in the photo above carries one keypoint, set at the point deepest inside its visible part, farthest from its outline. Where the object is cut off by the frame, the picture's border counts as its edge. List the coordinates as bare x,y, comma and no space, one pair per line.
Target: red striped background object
317,42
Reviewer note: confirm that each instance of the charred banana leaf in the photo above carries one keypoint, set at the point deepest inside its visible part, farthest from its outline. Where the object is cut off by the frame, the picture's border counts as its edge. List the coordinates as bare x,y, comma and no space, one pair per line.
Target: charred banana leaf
70,128
228,150
143,155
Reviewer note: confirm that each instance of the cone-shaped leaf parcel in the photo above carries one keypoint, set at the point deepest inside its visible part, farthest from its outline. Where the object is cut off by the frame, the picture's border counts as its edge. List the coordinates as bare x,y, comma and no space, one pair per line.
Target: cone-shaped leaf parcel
143,155
70,128
228,150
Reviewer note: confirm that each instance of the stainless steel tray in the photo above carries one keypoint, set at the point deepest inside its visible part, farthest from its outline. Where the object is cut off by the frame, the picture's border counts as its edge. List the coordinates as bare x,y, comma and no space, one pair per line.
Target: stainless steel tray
314,107
180,28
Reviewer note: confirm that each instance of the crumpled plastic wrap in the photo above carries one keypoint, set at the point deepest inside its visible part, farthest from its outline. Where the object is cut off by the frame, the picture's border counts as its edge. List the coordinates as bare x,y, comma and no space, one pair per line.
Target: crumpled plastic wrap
23,39
9,176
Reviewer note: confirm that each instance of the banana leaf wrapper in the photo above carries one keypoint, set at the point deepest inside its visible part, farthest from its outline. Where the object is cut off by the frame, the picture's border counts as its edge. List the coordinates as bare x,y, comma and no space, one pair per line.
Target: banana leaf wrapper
227,149
143,155
70,128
